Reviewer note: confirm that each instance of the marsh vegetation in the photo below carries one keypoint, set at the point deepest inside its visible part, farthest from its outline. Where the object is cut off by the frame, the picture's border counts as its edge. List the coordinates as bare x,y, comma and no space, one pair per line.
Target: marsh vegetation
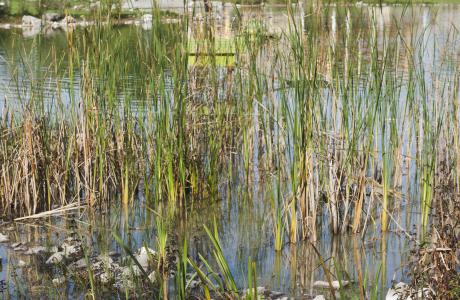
307,149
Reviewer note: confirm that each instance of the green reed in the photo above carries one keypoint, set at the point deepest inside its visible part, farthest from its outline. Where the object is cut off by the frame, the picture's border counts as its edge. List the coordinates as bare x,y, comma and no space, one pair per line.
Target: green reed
323,115
324,111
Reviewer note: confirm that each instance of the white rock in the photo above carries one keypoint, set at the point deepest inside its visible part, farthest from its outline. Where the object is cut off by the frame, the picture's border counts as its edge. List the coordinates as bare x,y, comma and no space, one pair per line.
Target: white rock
20,248
71,250
398,290
36,250
21,263
143,255
105,278
68,23
53,249
153,277
319,297
55,25
59,280
4,238
146,22
194,284
55,258
147,18
335,284
105,259
128,272
401,290
68,20
31,22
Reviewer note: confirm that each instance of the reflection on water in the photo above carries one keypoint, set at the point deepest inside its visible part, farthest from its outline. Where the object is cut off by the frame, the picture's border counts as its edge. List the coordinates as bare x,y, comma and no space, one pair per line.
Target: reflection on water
293,270
244,218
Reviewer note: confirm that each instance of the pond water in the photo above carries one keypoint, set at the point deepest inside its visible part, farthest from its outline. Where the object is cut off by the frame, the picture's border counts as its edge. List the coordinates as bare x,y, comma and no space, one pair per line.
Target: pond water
242,214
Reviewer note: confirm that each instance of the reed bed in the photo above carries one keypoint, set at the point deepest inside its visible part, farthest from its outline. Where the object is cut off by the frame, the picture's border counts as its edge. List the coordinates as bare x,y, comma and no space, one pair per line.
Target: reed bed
343,123
335,129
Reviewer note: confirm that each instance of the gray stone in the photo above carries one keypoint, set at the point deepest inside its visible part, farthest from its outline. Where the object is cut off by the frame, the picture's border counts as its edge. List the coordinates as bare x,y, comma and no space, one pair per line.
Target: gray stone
20,248
397,291
31,22
15,245
80,264
56,258
335,284
402,290
105,278
71,250
153,277
36,250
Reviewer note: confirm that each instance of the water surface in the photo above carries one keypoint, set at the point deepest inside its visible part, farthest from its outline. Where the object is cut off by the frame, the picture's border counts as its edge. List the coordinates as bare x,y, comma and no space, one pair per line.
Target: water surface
242,212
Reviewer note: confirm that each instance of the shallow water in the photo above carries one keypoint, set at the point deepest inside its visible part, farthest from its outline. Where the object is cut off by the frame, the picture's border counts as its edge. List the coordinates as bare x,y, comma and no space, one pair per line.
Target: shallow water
242,214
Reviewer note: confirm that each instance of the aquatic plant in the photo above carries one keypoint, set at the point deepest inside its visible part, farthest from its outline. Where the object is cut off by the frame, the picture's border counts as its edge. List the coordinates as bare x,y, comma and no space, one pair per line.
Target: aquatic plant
333,121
